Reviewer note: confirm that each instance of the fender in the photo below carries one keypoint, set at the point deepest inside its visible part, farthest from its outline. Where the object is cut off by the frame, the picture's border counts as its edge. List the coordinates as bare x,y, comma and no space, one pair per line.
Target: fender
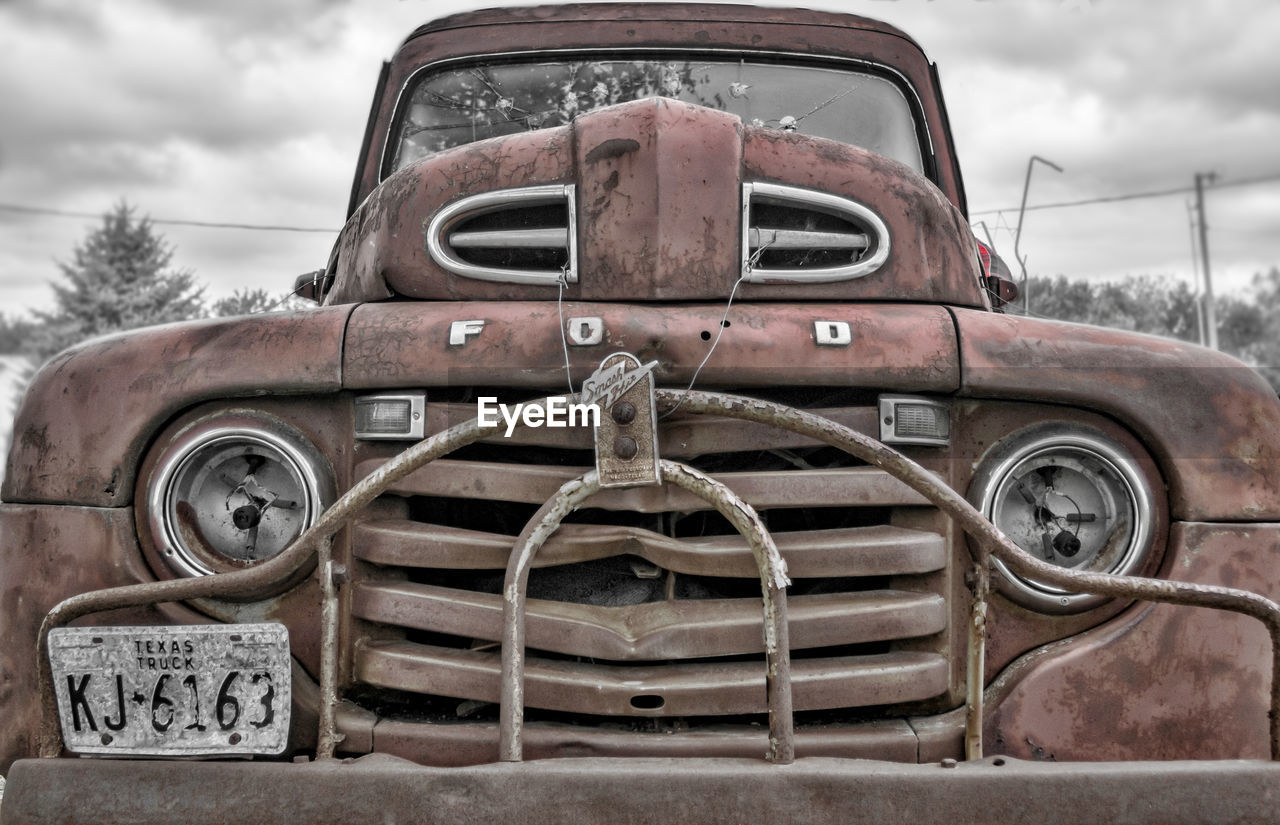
1209,420
90,412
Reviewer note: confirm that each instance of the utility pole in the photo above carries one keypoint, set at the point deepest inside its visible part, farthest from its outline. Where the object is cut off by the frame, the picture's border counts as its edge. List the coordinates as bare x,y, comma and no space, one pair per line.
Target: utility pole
1196,295
1022,210
1210,314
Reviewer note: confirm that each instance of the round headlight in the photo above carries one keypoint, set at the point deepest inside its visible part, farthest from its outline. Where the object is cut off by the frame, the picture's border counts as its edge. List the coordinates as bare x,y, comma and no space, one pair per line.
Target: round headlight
234,490
1073,498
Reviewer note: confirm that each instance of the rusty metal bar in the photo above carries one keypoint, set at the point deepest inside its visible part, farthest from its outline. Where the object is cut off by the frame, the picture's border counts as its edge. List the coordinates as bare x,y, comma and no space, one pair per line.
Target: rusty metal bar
535,533
327,737
985,533
976,655
240,583
773,579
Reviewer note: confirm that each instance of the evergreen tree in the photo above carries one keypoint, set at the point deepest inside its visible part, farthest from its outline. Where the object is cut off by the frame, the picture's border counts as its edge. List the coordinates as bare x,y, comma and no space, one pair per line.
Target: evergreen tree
253,301
15,332
120,277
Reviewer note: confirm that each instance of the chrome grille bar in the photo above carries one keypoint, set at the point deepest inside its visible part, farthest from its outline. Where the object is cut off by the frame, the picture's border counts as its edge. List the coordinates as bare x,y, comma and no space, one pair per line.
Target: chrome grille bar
553,238
847,487
878,550
683,689
804,239
684,629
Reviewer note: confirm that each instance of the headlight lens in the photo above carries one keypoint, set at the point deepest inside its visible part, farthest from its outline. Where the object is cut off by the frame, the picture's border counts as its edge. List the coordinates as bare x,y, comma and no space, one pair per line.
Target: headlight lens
234,490
1073,498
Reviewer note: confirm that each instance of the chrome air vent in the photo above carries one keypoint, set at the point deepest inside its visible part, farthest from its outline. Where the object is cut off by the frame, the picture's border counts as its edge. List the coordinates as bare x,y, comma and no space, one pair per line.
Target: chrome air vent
515,236
800,236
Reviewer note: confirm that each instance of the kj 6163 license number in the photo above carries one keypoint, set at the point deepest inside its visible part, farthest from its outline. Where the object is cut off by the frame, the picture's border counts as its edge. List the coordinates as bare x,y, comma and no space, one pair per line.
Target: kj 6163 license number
195,690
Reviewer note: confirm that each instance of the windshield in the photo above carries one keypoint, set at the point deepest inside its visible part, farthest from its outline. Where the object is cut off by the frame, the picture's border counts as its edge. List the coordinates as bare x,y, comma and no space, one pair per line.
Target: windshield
457,106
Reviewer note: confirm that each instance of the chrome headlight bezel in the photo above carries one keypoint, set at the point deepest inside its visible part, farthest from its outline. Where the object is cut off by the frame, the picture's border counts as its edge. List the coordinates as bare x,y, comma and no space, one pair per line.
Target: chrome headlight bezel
1120,541
185,467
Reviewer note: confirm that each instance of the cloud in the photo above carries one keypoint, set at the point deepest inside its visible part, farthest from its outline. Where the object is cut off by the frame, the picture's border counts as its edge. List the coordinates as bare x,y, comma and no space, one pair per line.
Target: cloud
253,112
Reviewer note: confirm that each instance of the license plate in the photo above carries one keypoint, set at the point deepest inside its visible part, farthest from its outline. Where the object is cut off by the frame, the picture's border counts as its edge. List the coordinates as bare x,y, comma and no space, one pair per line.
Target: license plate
193,690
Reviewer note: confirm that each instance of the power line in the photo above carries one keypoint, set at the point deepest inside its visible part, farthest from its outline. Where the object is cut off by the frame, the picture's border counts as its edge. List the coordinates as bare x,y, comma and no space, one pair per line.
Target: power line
260,227
1158,193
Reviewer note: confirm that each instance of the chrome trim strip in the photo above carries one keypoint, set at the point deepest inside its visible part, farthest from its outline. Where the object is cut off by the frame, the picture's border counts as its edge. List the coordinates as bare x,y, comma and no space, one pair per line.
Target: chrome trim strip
1050,598
515,239
805,239
299,455
817,201
451,214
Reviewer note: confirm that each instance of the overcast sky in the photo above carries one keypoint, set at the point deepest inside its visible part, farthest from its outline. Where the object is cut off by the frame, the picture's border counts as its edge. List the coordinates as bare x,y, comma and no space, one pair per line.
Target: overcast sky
243,111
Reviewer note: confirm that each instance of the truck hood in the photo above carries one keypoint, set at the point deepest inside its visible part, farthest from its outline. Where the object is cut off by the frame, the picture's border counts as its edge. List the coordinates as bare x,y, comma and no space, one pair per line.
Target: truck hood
658,210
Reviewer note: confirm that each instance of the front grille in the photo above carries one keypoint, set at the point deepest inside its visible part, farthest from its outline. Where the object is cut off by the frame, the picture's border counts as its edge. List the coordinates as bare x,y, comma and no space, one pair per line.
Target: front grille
646,603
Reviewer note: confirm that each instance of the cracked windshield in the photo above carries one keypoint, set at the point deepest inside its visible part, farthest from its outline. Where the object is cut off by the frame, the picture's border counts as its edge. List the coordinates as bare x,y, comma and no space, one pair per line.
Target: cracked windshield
464,105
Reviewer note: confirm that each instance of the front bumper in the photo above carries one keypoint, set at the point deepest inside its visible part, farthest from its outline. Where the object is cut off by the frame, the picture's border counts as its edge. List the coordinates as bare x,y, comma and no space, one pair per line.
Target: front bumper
618,791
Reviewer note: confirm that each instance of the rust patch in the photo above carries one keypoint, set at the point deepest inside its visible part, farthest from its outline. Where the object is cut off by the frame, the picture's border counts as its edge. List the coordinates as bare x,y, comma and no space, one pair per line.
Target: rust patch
612,148
909,348
1170,683
126,386
1206,442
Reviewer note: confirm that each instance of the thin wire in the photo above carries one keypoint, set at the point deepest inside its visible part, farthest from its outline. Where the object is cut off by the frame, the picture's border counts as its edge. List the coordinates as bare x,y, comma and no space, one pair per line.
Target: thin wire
561,283
723,324
64,213
1159,193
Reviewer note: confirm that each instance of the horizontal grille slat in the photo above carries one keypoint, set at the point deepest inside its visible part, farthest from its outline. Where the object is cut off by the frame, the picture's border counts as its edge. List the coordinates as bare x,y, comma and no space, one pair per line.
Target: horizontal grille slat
684,629
805,239
511,239
677,438
878,550
847,487
672,690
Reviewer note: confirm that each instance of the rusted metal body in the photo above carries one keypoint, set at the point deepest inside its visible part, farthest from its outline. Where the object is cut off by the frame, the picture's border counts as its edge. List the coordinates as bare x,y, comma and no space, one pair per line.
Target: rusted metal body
639,237
586,790
813,581
1213,444
77,453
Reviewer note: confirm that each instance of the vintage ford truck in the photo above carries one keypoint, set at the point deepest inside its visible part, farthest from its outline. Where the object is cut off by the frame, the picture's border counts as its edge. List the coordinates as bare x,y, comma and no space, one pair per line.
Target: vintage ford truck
659,452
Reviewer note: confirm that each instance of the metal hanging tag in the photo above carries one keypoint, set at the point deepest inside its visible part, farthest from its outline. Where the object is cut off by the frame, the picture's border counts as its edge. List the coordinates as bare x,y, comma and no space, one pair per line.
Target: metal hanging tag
627,431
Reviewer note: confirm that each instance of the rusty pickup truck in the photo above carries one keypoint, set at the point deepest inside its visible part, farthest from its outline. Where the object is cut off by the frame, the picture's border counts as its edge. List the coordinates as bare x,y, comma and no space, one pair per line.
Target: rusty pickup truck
658,451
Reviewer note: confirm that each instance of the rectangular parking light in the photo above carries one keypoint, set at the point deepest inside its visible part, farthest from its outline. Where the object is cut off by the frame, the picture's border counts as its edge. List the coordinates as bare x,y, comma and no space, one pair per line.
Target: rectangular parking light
912,420
391,417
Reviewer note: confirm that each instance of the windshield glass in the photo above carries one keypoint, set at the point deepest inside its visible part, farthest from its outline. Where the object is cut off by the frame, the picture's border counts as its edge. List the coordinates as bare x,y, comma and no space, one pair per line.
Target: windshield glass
462,105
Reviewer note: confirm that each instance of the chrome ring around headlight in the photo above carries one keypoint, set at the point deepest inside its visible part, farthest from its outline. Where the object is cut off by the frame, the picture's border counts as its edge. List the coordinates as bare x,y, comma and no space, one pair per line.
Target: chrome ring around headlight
233,490
1073,497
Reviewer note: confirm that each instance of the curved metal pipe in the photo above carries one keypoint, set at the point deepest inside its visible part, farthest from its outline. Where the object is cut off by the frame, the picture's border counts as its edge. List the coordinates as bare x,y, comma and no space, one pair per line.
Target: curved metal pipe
773,578
240,582
986,534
